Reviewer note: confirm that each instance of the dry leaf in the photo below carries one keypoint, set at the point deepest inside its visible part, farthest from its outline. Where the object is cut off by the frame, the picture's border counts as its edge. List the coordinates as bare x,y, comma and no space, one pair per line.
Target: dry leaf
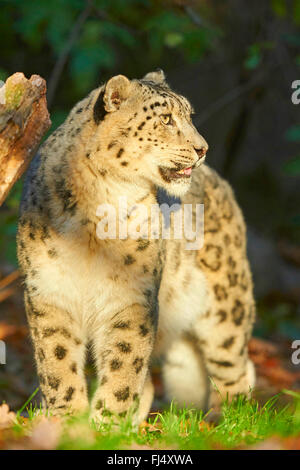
148,427
7,417
261,350
204,426
292,443
266,357
45,435
280,376
273,443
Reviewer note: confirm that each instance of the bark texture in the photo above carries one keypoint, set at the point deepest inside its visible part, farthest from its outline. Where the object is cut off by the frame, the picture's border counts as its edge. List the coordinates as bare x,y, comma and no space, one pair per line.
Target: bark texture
24,119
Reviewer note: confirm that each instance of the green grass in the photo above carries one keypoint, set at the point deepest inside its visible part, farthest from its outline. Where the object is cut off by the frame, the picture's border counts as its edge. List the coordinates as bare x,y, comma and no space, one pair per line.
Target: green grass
242,422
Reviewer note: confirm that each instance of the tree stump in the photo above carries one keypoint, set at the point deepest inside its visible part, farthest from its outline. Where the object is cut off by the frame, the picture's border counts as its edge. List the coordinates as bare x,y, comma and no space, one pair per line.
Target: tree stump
24,119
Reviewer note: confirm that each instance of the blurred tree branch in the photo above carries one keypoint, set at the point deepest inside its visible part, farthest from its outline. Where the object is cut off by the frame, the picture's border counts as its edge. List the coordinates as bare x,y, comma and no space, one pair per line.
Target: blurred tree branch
5,291
229,97
59,66
195,17
103,15
9,279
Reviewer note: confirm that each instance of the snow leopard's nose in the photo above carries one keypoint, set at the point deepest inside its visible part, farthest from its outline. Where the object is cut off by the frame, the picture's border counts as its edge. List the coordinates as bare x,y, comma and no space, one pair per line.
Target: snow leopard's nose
200,145
201,152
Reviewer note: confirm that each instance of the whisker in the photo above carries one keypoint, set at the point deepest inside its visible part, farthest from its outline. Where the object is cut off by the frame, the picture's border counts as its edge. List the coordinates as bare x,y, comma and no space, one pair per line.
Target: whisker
179,155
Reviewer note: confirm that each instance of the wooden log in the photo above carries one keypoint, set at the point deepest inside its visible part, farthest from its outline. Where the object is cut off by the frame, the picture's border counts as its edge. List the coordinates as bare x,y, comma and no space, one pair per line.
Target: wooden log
24,119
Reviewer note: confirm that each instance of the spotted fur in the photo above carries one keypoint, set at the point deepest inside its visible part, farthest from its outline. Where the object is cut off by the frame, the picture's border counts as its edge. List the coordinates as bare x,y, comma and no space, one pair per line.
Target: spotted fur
132,299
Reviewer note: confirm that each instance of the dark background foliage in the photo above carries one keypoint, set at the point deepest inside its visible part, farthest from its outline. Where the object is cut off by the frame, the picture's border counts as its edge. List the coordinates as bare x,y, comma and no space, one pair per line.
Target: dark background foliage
234,59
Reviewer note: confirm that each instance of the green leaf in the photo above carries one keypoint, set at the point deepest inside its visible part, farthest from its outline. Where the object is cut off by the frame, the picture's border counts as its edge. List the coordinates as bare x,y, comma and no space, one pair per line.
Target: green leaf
113,31
292,167
196,43
57,117
59,27
296,220
92,58
13,199
32,21
296,12
254,57
293,133
87,62
3,74
255,53
279,7
293,39
173,39
167,21
91,32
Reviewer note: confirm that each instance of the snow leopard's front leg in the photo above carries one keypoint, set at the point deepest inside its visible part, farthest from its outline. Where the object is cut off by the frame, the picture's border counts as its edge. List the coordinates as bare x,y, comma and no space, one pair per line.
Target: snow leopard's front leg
59,346
122,356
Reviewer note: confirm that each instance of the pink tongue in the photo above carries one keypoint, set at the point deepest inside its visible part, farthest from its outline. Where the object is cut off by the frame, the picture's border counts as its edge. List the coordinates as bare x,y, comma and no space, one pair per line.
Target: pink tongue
188,171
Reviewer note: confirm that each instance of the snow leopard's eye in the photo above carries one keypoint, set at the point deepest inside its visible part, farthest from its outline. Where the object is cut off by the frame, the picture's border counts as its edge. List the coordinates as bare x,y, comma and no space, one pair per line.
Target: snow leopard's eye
166,118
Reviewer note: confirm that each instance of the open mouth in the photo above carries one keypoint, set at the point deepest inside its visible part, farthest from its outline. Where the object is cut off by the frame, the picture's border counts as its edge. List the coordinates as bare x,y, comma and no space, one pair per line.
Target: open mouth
169,174
186,172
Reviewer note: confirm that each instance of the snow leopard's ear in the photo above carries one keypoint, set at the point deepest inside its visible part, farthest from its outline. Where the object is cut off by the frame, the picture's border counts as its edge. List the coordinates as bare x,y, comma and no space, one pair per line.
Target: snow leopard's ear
110,97
116,91
157,77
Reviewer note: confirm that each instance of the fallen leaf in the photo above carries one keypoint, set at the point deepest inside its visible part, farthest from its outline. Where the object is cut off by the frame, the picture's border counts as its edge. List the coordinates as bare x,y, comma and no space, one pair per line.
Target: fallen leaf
273,443
262,346
280,376
266,357
45,435
204,426
292,443
7,418
146,427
